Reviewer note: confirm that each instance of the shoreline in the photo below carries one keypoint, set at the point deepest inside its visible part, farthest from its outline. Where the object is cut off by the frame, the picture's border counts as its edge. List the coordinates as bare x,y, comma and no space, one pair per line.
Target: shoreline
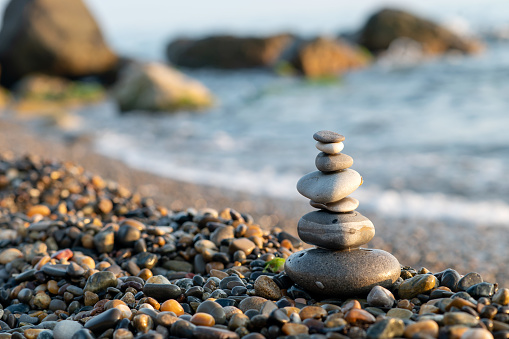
435,245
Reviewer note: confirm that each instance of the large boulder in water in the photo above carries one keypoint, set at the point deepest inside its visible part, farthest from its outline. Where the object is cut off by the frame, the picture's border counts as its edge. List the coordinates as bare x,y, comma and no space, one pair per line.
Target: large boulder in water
324,57
228,52
157,87
56,37
388,25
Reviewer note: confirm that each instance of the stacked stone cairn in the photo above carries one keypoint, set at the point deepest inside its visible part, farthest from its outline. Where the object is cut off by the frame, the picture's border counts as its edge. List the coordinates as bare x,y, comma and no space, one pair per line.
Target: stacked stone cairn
338,266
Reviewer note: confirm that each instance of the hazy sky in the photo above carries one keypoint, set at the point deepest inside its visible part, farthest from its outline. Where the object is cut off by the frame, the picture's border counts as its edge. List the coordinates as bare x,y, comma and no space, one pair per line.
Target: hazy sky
132,25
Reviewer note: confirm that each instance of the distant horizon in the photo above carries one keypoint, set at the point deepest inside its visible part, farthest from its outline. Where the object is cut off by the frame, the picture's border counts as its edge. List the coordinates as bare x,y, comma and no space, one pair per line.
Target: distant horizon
142,29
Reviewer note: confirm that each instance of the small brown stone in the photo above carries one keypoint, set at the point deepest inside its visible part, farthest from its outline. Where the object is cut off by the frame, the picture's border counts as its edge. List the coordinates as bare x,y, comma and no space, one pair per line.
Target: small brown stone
143,323
501,297
203,319
335,320
356,316
38,209
122,333
32,333
428,327
252,303
294,329
42,300
9,255
53,286
90,298
242,244
265,287
400,313
455,332
419,284
459,303
314,312
218,274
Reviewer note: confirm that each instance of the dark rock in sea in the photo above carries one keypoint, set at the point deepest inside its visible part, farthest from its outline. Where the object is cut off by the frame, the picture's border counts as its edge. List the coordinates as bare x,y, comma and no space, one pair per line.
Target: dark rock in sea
228,52
62,33
388,25
323,57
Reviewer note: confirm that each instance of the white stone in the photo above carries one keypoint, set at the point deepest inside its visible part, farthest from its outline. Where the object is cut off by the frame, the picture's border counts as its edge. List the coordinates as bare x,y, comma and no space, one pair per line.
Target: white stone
329,187
65,329
330,148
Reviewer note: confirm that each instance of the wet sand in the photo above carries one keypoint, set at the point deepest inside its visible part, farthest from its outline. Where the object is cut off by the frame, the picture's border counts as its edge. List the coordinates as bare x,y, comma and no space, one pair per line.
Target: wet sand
434,245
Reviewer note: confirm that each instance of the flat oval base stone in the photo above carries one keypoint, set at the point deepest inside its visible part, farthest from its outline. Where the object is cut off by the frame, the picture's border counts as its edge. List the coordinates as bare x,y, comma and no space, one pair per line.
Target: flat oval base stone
346,273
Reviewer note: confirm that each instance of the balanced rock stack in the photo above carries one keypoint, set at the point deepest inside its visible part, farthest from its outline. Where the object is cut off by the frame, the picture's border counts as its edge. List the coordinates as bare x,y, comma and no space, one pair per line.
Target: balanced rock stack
337,266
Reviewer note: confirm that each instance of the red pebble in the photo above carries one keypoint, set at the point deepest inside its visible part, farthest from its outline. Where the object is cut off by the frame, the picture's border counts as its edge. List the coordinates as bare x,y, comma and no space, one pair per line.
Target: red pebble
189,275
63,254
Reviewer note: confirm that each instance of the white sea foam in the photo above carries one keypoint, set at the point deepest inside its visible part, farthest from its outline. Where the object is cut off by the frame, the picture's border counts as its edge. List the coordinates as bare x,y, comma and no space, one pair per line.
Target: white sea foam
391,203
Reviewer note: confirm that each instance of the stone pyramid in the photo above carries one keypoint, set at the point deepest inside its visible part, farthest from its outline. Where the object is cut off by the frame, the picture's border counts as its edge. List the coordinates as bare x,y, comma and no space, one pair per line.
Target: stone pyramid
338,266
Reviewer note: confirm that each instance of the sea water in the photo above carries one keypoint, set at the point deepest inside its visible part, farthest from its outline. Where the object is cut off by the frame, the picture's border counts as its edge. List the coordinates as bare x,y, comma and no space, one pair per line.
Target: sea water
430,137
430,140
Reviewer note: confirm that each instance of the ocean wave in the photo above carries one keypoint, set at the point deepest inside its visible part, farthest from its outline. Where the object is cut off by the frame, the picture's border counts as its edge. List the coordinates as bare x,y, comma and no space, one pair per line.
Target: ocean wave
435,206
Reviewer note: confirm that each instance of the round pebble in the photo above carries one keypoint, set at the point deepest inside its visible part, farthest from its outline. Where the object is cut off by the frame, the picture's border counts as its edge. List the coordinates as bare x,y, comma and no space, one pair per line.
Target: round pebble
335,231
333,162
330,148
328,136
342,273
329,187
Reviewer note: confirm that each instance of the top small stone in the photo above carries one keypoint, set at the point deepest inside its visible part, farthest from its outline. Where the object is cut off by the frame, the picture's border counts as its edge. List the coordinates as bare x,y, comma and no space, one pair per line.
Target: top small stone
328,137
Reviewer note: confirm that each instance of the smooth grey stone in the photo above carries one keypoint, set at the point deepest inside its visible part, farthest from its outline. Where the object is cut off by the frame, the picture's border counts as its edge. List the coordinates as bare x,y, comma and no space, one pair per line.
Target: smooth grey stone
386,328
45,335
342,273
329,187
100,281
469,280
335,231
65,329
214,309
450,279
483,289
74,290
328,136
162,291
182,329
57,304
18,308
380,297
83,334
57,270
25,295
333,162
40,226
344,205
25,318
25,276
103,321
74,270
331,148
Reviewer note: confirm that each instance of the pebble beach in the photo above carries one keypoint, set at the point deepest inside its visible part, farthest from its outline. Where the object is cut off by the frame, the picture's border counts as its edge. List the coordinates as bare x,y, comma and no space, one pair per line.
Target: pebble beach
81,256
